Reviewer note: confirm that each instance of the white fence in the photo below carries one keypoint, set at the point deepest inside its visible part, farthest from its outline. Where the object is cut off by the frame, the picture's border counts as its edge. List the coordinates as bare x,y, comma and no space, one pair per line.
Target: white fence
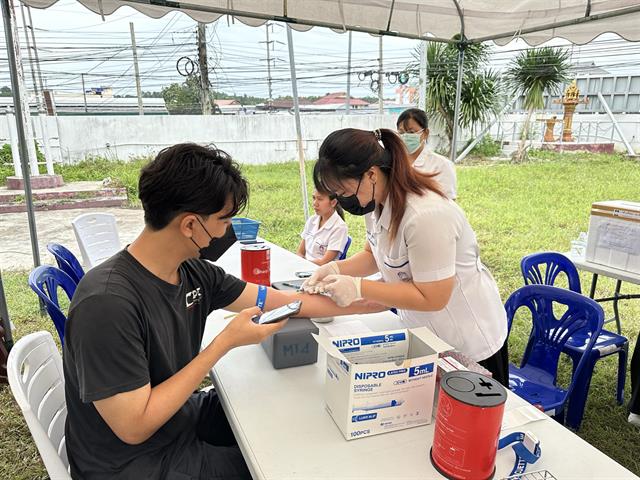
254,139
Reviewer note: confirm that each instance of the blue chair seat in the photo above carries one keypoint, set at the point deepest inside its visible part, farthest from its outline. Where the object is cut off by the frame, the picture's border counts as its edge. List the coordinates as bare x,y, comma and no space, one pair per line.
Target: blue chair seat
537,387
606,343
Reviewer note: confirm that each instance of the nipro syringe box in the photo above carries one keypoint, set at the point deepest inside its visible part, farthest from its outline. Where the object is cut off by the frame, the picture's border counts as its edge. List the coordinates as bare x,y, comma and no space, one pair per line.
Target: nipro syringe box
381,382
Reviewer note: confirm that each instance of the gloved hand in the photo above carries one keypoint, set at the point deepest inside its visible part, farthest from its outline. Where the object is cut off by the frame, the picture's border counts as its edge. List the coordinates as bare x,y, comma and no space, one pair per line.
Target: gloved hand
314,283
342,289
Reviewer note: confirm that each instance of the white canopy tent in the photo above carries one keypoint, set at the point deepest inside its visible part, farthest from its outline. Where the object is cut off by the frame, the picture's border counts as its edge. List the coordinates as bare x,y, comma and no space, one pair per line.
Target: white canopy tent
534,21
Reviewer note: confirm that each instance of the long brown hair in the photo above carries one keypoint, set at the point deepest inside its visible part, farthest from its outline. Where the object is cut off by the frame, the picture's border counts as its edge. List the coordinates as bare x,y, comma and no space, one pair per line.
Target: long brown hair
348,153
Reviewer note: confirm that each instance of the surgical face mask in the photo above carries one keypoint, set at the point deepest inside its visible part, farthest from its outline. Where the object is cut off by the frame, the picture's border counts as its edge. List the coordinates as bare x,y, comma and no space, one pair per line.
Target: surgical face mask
412,140
352,205
217,246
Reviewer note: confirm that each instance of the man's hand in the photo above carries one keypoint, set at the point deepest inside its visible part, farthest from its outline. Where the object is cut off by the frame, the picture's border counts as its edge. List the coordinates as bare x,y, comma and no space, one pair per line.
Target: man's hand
241,330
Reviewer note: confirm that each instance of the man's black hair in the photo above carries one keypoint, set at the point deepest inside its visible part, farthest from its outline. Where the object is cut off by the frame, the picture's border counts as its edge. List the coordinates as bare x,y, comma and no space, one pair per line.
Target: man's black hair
190,178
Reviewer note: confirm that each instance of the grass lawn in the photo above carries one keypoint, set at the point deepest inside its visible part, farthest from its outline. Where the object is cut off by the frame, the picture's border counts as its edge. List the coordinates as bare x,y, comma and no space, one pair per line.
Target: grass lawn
514,209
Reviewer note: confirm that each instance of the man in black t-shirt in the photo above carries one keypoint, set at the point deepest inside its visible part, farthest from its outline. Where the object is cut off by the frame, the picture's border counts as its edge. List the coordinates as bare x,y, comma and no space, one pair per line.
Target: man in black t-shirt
132,356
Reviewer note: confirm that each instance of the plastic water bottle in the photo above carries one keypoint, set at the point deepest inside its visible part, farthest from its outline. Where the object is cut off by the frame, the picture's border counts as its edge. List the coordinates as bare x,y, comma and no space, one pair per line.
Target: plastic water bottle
579,246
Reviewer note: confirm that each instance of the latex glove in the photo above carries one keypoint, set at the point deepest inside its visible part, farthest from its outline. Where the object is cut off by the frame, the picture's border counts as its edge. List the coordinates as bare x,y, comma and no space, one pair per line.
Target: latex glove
343,289
314,284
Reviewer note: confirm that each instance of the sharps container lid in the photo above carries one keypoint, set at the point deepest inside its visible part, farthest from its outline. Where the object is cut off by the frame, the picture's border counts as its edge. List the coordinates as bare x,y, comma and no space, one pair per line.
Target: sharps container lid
473,389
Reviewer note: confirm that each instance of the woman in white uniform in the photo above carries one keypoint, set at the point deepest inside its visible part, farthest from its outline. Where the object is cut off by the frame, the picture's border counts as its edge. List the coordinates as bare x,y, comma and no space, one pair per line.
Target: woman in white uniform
413,128
325,234
419,240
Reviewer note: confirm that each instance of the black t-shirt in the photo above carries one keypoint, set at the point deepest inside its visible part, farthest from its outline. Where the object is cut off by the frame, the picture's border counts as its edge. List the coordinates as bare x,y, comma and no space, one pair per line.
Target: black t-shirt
127,328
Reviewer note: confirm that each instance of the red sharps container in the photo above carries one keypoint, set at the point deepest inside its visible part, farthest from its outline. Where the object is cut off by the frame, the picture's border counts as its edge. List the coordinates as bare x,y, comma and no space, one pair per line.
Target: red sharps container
468,421
255,263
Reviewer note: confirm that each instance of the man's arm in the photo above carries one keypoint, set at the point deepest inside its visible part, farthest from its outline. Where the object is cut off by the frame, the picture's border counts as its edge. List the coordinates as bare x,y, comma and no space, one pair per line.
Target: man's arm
136,415
312,305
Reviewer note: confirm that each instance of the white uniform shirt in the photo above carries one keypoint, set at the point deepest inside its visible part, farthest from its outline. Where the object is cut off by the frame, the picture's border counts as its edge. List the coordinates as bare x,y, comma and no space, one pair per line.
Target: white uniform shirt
430,162
320,240
435,242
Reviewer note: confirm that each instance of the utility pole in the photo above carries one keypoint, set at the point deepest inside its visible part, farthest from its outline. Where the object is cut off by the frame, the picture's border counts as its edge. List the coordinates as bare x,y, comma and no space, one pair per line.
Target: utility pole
205,100
84,93
35,53
348,99
22,116
31,64
269,60
23,112
135,66
380,81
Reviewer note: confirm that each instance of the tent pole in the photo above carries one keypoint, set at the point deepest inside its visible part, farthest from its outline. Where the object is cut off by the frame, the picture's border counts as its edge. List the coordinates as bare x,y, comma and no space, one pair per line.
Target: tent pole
13,53
296,111
456,111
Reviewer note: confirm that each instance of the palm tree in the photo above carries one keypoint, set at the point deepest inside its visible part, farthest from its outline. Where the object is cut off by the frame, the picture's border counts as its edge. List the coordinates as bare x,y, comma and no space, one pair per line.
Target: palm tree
531,73
481,94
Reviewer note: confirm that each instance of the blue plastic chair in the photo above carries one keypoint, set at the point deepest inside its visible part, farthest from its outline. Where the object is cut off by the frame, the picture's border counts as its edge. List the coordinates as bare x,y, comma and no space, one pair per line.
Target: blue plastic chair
67,261
45,281
607,343
343,255
535,379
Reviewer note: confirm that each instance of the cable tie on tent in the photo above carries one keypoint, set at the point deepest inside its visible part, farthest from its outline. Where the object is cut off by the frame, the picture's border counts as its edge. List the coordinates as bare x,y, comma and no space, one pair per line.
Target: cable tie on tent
101,10
516,34
341,9
230,7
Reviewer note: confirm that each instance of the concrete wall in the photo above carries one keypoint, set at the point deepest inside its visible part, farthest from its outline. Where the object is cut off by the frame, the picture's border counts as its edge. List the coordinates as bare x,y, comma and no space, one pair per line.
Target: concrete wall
255,139
259,139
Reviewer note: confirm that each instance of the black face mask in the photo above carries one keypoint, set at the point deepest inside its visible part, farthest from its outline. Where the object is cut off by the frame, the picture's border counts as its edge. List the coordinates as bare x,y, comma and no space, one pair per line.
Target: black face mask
217,246
352,205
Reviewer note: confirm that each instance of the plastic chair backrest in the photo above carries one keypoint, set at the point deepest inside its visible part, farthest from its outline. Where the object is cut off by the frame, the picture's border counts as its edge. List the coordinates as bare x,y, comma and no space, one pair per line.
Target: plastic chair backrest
97,236
67,261
555,264
551,330
45,280
36,379
343,255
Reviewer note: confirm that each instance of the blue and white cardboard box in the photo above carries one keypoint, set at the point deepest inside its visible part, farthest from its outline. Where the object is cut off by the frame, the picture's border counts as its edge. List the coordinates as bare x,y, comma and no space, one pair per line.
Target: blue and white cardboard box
383,381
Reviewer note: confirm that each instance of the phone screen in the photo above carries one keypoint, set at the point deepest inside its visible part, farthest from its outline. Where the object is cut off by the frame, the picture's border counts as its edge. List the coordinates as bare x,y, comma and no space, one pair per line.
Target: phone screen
279,313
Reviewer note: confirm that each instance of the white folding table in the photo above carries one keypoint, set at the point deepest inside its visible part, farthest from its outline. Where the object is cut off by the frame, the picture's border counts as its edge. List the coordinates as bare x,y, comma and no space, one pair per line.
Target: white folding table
284,432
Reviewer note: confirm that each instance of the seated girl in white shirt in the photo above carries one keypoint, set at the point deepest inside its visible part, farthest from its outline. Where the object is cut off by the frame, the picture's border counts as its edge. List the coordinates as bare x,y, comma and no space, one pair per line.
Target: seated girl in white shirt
325,233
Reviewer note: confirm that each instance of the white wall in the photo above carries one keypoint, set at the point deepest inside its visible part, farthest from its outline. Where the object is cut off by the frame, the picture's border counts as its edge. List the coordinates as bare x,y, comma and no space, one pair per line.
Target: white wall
258,139
255,139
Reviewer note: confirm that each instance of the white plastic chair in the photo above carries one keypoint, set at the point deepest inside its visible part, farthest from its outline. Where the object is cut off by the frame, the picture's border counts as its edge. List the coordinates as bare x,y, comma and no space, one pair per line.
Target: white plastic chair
34,368
97,236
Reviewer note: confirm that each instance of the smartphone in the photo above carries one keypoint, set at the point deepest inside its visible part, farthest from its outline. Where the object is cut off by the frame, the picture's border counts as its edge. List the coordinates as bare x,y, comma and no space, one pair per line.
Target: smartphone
279,313
303,274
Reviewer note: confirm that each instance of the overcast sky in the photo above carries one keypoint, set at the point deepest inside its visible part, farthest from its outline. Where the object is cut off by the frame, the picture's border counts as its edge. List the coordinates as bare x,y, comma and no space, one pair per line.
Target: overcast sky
72,40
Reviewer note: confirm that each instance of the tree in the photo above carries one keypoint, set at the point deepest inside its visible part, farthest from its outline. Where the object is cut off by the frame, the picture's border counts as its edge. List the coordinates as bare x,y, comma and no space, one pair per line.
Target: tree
184,98
481,93
5,92
531,73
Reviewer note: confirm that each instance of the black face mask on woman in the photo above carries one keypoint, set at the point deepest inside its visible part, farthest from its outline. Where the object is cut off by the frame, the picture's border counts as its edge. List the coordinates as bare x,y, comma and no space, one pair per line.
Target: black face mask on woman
352,205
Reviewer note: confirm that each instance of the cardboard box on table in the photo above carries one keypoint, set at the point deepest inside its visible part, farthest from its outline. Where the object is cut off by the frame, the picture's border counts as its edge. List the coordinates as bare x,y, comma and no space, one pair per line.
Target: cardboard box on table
381,381
614,235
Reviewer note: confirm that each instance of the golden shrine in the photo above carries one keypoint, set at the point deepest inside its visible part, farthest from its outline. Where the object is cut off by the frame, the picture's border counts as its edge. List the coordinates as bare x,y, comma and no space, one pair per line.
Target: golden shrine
570,100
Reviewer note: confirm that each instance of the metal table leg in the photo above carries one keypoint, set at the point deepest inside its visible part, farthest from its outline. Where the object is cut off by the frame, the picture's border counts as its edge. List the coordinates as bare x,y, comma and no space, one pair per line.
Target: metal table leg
616,314
594,282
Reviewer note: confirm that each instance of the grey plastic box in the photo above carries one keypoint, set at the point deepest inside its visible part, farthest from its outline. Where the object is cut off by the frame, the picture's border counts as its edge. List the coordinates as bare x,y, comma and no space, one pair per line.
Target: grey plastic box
293,346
